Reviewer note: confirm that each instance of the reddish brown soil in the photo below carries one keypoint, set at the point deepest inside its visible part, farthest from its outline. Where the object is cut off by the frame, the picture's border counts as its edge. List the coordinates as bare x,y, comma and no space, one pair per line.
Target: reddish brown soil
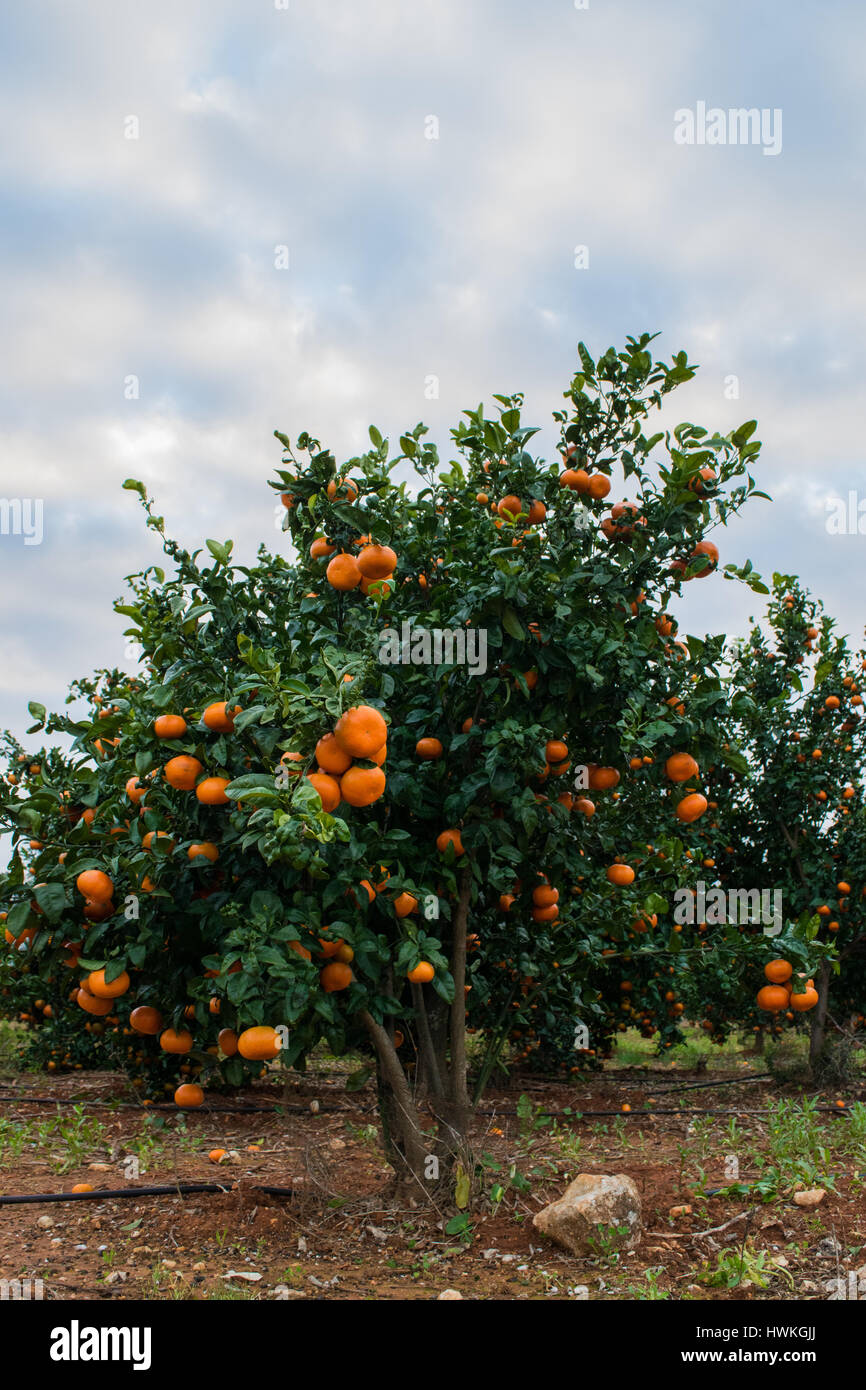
340,1235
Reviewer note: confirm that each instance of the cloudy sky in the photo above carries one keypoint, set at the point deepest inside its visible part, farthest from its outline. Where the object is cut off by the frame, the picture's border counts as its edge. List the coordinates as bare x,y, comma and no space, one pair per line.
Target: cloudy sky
155,156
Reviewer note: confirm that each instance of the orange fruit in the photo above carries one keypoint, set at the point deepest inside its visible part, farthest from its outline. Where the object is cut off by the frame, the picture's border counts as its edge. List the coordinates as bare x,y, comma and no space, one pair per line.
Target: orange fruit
227,1040
691,807
450,837
772,998
181,772
97,985
377,561
189,1096
328,788
171,1041
585,806
778,971
428,749
555,751
152,835
361,786
91,1004
343,572
219,719
331,757
422,974
544,895
705,548
510,507
680,767
335,976
602,778
82,1187
169,726
134,790
801,1003
344,485
96,885
537,513
404,904
259,1044
205,848
599,486
145,1020
212,791
620,874
217,1155
361,731
320,548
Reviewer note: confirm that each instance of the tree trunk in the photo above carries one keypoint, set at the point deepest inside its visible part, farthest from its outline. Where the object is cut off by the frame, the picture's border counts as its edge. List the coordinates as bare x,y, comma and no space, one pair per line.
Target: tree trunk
411,1152
457,1091
819,1016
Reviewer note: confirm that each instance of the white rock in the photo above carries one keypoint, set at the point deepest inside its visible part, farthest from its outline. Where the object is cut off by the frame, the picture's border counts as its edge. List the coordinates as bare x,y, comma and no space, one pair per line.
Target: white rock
810,1198
448,1296
610,1201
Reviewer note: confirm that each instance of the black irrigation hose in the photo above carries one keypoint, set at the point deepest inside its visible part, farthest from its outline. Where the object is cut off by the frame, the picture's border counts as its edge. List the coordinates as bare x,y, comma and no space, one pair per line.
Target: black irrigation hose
106,1194
274,1109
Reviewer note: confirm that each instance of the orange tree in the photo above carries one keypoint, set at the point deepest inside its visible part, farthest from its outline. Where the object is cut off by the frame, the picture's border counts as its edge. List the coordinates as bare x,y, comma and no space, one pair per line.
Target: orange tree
306,820
790,809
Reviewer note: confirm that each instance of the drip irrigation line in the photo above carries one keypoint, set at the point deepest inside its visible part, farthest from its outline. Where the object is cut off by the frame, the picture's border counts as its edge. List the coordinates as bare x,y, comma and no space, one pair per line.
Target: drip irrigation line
275,1109
119,1193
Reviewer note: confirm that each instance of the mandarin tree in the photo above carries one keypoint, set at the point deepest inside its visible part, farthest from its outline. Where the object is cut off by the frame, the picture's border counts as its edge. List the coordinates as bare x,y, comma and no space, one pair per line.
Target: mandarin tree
463,687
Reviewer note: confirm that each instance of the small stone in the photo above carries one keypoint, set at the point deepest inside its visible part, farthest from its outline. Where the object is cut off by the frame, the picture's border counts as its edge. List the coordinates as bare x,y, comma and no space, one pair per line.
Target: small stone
199,1267
336,1144
117,1276
99,1167
448,1296
169,1264
611,1201
680,1211
828,1249
810,1198
45,1222
314,1107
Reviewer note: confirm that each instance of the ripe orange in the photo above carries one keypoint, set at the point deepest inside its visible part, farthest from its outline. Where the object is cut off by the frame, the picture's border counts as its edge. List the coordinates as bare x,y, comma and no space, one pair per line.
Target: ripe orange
343,485
219,719
680,767
189,1096
335,976
145,1020
377,561
691,807
361,731
361,786
152,835
227,1040
91,1004
320,548
82,1187
778,971
428,749
331,757
212,791
169,726
544,895
94,884
599,486
556,751
510,507
405,904
801,1003
97,985
217,1155
134,790
171,1041
205,848
328,789
450,837
422,974
343,572
259,1044
601,779
585,806
620,874
181,772
772,998
705,548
